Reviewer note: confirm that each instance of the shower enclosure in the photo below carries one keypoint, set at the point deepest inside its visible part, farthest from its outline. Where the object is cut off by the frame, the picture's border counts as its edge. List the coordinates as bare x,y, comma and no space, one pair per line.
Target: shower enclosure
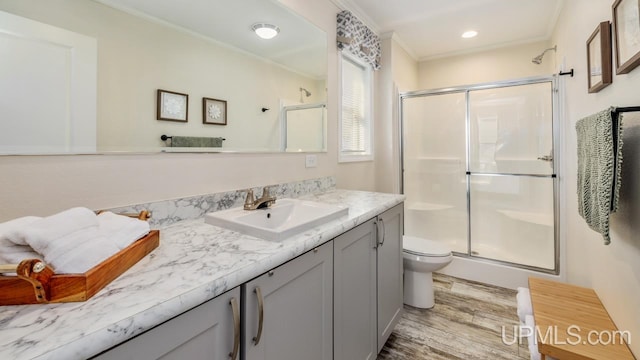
479,172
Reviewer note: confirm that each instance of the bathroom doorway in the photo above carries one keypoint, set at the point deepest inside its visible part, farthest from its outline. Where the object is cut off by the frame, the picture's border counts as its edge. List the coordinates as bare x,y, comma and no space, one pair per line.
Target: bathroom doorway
479,171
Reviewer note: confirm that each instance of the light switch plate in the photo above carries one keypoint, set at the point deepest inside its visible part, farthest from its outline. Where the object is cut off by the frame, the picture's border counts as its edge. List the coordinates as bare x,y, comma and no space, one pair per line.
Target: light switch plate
311,161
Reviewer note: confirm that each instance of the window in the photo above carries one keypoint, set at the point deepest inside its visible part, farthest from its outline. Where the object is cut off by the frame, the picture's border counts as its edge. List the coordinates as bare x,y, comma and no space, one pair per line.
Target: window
356,122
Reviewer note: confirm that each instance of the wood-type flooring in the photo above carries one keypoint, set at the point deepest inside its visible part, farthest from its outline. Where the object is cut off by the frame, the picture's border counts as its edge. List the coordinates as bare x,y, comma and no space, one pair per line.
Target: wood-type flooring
466,323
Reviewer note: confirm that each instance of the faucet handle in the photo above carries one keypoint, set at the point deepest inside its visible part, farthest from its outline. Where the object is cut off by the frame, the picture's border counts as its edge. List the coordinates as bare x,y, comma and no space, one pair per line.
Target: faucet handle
248,201
265,191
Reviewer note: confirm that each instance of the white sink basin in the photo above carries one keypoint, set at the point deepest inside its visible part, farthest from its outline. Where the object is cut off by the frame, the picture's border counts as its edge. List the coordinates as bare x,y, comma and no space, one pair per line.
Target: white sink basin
284,219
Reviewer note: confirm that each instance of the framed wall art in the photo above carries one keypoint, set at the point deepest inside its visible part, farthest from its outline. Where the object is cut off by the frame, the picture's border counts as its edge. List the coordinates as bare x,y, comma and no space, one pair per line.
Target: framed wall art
214,111
172,106
599,58
626,29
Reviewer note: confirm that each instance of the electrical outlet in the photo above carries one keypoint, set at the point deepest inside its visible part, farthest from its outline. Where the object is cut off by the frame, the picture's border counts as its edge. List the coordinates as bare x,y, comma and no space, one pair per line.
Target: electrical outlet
311,161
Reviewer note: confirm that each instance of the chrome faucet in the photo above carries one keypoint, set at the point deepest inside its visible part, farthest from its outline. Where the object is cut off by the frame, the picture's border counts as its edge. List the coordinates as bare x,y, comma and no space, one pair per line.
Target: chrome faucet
266,200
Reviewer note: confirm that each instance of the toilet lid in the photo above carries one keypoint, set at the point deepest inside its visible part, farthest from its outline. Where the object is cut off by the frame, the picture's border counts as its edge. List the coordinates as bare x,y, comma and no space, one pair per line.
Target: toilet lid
424,247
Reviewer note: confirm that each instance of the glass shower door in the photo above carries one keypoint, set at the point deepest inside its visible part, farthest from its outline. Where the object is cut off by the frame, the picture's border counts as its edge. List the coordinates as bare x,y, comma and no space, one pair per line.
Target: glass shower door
511,174
434,167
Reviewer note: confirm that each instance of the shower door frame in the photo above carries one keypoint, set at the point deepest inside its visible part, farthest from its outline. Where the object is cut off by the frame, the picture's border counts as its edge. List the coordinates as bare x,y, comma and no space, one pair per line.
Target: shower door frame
555,131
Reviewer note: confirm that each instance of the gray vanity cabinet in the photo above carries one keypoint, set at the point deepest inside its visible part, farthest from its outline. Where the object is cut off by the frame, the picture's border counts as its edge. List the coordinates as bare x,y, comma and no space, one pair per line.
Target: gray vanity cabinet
367,286
294,311
354,293
208,331
389,253
288,311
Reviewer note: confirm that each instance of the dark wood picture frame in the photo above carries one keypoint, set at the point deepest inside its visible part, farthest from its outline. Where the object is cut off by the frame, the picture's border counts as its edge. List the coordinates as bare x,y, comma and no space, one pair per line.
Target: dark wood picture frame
599,71
626,24
214,111
172,106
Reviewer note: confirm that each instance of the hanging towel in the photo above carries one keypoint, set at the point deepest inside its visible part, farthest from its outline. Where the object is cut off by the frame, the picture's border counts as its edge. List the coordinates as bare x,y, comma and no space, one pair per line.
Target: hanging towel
599,167
194,141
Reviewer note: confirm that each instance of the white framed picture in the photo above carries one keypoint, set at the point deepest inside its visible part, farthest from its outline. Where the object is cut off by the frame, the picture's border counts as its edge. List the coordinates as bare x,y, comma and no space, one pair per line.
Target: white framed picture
214,111
626,25
172,106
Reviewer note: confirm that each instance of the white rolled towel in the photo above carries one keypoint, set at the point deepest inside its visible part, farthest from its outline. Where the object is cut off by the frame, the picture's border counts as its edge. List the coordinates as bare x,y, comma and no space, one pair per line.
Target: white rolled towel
531,337
69,241
530,322
523,301
75,240
85,249
79,252
41,233
121,229
11,253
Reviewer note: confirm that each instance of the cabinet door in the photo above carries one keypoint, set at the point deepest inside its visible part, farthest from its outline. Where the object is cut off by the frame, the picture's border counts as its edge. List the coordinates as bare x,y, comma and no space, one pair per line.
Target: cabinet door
354,294
204,332
389,225
296,302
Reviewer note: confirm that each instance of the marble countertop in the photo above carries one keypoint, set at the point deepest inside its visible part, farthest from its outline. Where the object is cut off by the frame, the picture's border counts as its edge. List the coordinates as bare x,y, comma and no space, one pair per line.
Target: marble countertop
195,262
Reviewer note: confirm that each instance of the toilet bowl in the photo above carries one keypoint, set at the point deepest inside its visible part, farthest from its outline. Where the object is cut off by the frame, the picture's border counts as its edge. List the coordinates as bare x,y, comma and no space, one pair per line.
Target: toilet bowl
421,257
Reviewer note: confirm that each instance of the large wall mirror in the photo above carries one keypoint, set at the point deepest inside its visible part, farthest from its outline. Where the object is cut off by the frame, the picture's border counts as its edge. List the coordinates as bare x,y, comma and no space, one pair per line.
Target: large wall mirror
82,76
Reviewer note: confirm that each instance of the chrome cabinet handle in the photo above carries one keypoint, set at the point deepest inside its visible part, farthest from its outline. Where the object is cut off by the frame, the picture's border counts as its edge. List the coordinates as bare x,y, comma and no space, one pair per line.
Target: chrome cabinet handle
375,240
236,329
383,231
545,158
258,292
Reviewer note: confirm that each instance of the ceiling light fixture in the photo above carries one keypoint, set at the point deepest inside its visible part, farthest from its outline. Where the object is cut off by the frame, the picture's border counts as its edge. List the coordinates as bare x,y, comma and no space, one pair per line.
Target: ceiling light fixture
265,31
469,34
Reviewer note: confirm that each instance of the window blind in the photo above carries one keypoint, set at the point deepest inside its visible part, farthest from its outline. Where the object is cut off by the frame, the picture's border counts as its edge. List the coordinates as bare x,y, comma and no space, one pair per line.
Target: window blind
354,121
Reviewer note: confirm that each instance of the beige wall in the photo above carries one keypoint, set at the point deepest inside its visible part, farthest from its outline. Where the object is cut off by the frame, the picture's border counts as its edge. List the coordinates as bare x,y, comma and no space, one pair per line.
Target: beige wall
399,73
41,185
405,68
488,66
614,270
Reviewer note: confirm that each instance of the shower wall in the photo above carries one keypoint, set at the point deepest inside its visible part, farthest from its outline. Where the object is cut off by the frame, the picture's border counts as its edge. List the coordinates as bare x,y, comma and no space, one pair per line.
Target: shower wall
505,63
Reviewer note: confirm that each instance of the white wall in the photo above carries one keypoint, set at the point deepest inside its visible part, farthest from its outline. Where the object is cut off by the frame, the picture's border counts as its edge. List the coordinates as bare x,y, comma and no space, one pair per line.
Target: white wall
137,56
487,66
614,270
41,185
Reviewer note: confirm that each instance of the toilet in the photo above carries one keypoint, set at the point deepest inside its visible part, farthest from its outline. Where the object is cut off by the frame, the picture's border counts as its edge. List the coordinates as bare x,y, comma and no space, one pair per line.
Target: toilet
421,257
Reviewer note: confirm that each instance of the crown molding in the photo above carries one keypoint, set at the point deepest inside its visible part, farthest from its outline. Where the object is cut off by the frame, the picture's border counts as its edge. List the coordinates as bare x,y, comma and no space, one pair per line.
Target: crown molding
359,13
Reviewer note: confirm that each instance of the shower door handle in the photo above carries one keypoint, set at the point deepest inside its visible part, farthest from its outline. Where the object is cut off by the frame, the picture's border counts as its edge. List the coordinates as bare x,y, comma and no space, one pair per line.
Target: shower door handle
545,158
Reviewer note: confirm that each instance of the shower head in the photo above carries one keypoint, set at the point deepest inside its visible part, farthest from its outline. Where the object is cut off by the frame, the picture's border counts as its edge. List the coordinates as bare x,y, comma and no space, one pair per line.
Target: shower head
304,92
538,59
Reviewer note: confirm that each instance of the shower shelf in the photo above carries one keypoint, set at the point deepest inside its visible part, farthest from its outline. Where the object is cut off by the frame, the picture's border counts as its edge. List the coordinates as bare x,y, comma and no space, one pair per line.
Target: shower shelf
422,206
530,217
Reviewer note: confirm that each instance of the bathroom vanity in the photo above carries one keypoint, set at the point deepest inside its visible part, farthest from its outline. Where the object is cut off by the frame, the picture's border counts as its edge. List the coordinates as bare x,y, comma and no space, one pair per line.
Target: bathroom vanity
333,292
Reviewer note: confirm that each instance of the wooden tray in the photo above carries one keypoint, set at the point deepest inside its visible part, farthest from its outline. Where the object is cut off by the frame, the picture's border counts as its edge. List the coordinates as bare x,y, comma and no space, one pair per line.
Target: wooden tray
40,287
